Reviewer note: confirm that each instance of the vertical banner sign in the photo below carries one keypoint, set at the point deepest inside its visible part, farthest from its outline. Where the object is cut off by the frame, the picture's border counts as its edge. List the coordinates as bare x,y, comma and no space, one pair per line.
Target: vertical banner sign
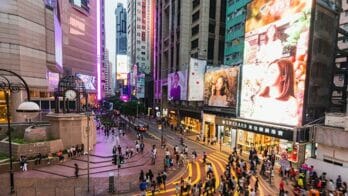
141,86
196,79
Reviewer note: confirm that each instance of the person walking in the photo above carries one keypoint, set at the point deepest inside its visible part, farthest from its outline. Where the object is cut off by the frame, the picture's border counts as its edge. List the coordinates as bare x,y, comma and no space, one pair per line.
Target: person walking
76,170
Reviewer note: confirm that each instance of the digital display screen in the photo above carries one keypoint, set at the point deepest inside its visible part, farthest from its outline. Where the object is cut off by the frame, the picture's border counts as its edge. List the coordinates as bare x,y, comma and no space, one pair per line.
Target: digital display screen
220,87
121,66
196,79
90,81
275,61
177,85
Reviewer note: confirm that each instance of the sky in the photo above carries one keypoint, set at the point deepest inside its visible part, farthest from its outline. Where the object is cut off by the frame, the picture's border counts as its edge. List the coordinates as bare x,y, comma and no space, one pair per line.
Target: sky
110,27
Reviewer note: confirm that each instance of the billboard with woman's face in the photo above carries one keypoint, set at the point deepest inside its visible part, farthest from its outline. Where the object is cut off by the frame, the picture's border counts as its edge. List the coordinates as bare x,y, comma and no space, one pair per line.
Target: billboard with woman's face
177,86
275,61
220,87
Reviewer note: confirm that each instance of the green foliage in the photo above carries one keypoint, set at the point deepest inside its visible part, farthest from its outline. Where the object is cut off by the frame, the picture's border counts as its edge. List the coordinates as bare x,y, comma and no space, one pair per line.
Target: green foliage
126,108
19,141
3,156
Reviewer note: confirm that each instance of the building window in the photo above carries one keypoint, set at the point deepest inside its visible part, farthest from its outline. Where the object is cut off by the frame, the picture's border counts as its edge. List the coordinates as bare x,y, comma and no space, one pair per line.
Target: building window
81,5
194,44
210,48
195,3
195,30
195,16
212,9
211,28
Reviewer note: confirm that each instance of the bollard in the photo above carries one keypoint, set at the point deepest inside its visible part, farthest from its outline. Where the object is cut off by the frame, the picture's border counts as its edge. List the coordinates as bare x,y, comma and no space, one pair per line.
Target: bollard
111,183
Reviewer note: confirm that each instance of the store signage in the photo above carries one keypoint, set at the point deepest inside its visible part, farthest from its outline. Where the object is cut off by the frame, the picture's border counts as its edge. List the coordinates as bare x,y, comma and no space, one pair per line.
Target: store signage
277,132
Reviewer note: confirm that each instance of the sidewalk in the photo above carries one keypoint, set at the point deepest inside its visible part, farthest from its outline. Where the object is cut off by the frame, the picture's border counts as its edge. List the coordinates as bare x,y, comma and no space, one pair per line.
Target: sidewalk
60,176
275,181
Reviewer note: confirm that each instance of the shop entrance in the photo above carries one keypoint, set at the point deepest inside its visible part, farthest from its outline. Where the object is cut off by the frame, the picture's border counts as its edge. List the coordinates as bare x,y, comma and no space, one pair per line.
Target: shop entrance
209,132
249,140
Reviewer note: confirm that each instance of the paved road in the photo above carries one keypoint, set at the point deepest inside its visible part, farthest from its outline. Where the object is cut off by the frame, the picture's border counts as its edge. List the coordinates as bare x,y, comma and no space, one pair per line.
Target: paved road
196,169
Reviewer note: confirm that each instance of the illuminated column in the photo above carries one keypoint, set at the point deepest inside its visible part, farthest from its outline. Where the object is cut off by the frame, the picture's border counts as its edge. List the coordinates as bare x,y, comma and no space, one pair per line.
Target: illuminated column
98,52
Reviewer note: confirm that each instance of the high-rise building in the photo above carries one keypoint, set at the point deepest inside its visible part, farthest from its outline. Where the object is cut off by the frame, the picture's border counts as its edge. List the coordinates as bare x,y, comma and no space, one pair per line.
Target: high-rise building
234,37
138,34
82,48
185,29
30,45
107,82
121,29
329,138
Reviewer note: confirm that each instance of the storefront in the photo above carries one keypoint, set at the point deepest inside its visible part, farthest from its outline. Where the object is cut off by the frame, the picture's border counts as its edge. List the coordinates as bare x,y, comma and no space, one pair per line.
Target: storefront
3,109
191,121
173,118
209,131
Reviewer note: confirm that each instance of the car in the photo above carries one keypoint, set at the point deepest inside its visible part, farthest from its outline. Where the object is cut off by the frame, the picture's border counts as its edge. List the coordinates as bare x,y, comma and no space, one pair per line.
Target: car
141,128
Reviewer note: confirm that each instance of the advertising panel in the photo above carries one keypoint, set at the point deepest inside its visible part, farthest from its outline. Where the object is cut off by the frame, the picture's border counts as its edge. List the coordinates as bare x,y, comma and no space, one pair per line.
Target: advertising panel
90,81
121,67
177,85
53,80
220,86
141,86
196,79
58,38
275,61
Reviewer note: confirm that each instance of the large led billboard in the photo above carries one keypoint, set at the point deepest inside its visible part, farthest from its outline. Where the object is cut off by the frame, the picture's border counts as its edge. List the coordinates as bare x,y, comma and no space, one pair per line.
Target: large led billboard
89,81
121,66
196,79
275,61
177,86
220,86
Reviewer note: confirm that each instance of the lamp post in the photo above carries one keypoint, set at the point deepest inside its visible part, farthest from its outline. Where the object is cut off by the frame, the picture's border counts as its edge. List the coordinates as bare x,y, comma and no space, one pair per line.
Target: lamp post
88,132
10,83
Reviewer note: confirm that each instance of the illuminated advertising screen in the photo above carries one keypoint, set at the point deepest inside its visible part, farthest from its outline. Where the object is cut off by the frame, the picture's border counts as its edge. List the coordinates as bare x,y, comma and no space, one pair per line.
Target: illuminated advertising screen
177,85
53,80
90,81
141,86
58,38
275,61
121,66
220,86
196,79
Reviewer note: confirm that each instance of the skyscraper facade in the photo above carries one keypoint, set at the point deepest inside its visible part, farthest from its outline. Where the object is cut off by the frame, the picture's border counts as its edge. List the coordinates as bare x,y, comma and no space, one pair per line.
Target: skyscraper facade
234,37
185,29
121,29
138,34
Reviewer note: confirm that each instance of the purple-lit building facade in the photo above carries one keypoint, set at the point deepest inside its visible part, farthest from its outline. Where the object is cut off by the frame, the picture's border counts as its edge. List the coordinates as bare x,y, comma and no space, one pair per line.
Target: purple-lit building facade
82,42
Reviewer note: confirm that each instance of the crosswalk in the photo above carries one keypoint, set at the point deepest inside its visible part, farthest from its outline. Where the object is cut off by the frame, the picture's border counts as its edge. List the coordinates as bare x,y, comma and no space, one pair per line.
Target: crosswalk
197,171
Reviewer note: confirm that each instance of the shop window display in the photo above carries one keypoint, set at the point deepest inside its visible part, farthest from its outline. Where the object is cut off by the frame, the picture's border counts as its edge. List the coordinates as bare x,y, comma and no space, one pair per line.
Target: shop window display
2,108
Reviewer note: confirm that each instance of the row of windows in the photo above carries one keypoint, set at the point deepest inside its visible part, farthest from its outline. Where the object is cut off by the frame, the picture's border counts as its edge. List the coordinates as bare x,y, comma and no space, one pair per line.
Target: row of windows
236,13
234,55
230,2
236,27
234,42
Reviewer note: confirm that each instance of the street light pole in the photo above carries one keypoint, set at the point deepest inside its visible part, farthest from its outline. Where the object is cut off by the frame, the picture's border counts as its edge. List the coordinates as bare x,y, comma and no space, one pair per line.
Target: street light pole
88,131
11,82
9,139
